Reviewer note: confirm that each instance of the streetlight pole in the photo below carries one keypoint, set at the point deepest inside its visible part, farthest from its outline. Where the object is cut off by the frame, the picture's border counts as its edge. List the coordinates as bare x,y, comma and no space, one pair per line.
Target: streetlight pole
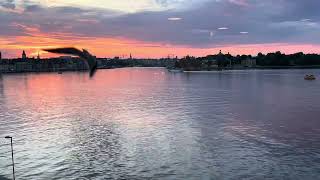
13,173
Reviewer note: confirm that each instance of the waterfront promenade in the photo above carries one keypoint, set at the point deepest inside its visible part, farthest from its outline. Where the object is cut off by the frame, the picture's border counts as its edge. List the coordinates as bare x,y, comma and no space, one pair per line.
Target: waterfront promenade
75,64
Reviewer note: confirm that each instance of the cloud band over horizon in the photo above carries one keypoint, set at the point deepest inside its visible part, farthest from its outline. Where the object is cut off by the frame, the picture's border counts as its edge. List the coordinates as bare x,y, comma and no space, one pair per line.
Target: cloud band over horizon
156,28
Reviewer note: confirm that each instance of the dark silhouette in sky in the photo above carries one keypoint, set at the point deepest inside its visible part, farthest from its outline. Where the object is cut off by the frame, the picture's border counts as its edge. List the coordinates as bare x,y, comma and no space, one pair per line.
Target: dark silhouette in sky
84,54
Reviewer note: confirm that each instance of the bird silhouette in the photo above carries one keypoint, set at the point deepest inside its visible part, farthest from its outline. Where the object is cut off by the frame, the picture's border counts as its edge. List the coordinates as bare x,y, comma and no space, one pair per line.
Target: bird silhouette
84,54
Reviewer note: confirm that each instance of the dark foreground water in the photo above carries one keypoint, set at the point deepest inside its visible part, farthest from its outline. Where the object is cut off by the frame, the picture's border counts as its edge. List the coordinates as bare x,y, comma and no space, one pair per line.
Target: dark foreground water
150,124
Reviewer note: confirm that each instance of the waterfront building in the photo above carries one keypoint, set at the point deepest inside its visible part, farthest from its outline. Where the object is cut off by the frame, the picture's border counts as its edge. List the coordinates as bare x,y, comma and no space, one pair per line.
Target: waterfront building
66,58
249,62
220,59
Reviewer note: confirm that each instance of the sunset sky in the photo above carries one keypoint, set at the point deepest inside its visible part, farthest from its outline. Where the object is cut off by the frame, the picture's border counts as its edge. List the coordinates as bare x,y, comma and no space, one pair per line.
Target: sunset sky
158,28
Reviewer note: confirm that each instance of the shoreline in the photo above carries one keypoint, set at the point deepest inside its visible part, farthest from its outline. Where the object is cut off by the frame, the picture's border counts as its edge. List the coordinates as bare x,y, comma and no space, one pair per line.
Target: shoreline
255,68
171,70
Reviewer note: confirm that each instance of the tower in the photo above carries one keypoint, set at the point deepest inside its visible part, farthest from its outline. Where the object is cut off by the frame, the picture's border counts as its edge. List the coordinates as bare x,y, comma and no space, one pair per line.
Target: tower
220,59
38,57
24,56
0,55
130,56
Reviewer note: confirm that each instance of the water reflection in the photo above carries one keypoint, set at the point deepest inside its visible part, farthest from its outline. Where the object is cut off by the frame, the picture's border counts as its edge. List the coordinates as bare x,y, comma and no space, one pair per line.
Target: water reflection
140,123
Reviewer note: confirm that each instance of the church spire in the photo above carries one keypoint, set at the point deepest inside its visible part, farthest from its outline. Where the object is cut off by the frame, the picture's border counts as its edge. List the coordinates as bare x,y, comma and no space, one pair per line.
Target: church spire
24,55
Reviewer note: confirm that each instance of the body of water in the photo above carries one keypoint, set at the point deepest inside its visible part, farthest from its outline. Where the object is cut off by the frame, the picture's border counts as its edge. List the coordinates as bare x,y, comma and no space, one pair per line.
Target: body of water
147,123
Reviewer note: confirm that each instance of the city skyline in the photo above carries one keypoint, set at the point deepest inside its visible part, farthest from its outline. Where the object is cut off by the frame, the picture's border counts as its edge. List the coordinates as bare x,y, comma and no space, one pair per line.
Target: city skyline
157,28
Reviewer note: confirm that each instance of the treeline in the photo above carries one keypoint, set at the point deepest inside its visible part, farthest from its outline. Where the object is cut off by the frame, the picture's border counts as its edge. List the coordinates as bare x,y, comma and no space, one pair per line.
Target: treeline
211,62
279,59
227,60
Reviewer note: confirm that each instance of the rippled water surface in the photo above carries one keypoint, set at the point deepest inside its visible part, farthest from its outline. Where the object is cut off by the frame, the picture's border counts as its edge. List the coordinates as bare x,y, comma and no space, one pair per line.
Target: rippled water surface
147,123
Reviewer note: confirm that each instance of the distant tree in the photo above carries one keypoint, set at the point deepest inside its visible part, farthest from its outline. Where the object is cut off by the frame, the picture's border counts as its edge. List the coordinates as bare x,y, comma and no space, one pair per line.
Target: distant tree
260,55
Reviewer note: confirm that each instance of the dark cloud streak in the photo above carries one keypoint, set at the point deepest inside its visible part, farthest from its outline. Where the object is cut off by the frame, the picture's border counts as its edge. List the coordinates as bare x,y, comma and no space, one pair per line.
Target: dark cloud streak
273,21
